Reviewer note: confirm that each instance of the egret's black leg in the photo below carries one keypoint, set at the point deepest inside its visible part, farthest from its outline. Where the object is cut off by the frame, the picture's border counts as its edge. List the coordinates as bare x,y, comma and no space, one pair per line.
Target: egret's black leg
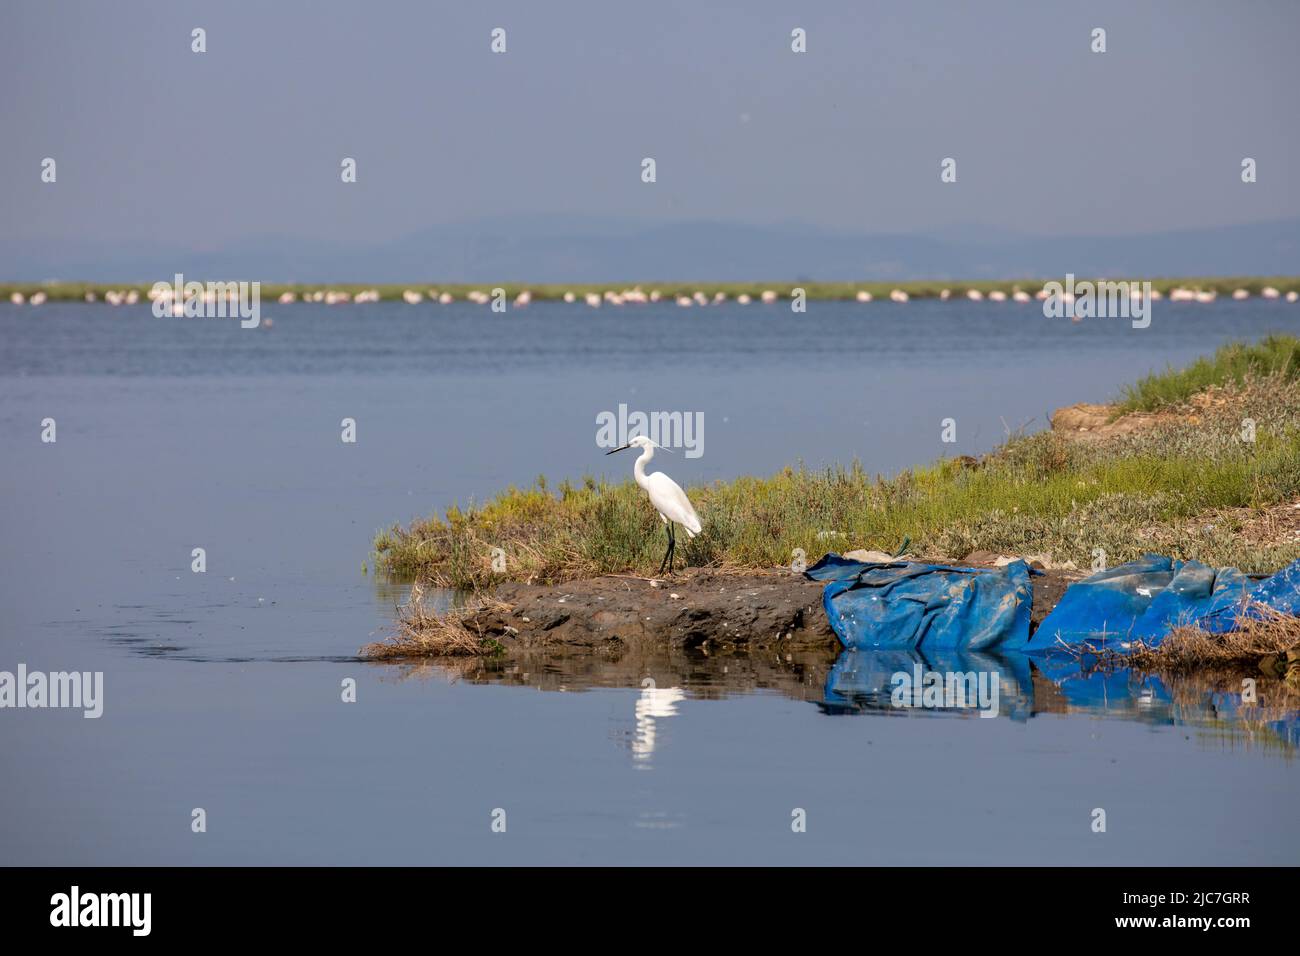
664,562
672,545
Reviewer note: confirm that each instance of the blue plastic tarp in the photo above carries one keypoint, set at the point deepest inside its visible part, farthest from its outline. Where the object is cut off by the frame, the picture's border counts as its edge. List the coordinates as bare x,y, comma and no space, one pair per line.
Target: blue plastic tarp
1144,599
1280,593
906,604
937,607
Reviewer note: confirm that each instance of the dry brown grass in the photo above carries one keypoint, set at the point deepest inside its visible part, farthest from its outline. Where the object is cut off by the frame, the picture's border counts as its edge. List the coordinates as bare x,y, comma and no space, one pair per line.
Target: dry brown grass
424,633
1251,644
1270,643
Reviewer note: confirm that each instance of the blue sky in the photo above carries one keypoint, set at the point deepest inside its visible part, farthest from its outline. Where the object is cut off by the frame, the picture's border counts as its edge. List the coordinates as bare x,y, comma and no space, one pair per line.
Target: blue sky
154,142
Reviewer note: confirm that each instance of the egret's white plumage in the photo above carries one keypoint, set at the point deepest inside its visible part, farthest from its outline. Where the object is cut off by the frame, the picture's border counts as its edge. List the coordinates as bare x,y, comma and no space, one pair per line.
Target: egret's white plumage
664,493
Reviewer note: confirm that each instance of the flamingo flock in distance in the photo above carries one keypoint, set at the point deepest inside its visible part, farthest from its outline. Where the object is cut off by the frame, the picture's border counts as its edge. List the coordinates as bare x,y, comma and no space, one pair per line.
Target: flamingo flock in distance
639,296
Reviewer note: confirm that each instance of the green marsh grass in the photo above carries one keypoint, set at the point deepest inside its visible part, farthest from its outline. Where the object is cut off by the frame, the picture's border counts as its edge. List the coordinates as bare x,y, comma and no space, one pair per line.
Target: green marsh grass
1177,487
1235,362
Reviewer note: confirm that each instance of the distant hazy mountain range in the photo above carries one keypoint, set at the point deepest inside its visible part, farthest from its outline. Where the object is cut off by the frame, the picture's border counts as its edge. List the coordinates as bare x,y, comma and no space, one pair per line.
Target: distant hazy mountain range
564,249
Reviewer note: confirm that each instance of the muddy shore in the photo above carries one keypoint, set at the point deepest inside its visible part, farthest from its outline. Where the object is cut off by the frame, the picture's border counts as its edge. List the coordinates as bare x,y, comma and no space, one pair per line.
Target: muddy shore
699,611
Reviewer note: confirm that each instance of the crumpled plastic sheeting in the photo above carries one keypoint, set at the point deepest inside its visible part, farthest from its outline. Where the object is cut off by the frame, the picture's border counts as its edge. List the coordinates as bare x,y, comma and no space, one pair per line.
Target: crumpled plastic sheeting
906,604
1145,599
1280,593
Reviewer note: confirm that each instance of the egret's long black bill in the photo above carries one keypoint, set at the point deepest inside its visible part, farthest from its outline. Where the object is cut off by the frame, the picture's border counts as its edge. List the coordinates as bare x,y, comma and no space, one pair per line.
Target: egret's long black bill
622,448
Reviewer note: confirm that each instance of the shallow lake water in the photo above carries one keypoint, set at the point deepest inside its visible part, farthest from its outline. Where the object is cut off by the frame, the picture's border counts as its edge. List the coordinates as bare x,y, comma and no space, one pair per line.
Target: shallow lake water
222,690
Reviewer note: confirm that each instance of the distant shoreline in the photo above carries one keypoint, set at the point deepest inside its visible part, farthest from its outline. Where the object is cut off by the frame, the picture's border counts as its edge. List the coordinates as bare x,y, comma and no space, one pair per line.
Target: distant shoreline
617,293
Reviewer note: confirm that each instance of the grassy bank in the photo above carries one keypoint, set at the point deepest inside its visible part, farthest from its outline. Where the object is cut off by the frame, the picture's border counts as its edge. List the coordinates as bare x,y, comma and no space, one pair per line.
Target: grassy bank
1276,355
957,288
1188,485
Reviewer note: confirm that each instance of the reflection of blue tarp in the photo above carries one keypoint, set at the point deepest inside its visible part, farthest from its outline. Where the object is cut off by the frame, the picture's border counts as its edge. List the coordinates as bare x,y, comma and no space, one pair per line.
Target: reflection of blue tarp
908,605
864,680
1103,690
1143,599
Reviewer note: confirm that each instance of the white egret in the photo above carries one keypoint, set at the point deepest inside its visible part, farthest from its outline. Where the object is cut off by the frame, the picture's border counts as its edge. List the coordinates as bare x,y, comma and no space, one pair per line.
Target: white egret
665,494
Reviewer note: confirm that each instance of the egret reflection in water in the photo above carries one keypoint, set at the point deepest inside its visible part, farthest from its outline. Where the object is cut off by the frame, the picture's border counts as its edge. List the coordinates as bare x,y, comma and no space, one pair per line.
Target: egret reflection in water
653,703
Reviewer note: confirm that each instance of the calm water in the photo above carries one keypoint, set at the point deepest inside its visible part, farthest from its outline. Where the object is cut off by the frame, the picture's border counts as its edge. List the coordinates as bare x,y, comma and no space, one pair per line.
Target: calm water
222,690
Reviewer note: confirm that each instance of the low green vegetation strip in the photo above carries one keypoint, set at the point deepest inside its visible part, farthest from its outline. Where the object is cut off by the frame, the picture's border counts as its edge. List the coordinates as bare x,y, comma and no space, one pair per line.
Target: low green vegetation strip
1184,486
958,288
